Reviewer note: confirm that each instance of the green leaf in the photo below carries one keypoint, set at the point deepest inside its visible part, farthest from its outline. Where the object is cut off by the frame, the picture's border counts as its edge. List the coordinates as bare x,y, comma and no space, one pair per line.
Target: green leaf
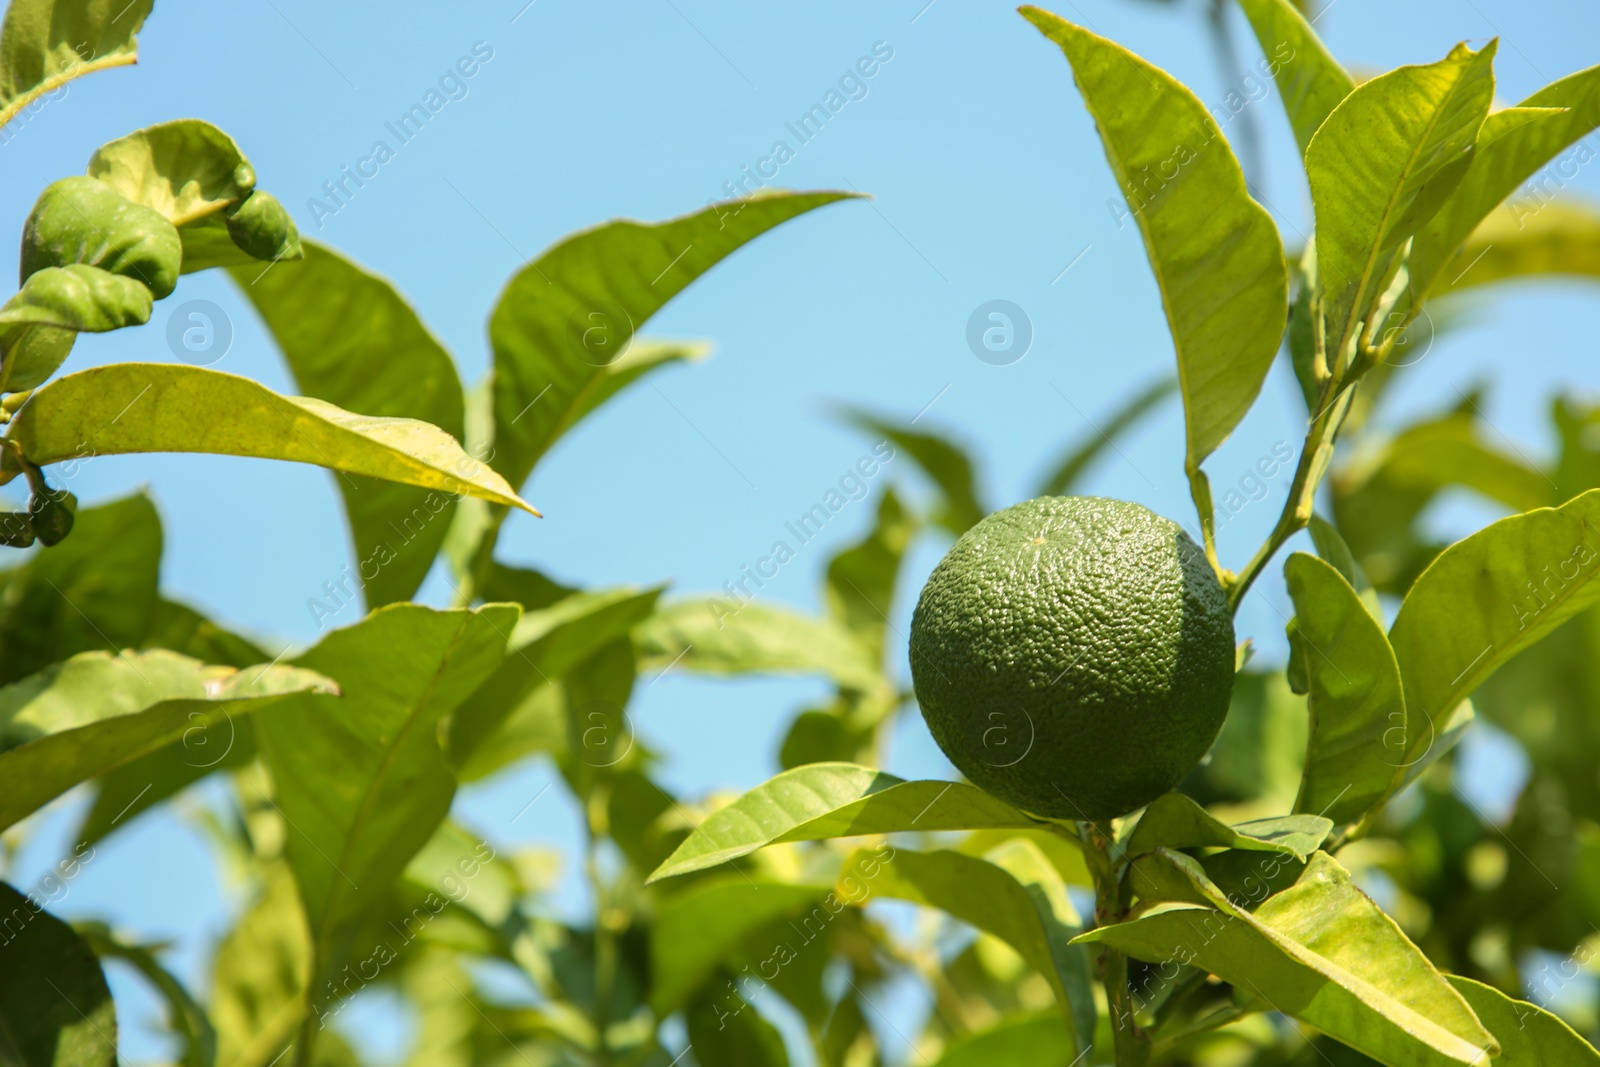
1379,168
362,782
38,323
350,339
1560,238
1215,252
726,1031
1358,710
186,170
1311,82
95,590
159,407
1069,468
55,1009
1529,1036
81,220
1320,951
701,927
942,460
825,800
124,793
184,1017
565,318
96,711
723,636
1513,144
46,43
1029,914
1330,545
544,646
260,974
1486,598
1019,1041
861,579
262,229
1174,821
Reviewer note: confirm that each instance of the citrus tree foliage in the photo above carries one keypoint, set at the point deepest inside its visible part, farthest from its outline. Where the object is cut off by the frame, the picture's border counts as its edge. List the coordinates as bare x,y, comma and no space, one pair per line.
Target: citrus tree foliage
1319,890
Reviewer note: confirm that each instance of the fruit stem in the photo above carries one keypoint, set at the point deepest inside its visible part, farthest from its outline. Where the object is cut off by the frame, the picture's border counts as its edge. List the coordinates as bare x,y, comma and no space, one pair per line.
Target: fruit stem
1332,404
1111,901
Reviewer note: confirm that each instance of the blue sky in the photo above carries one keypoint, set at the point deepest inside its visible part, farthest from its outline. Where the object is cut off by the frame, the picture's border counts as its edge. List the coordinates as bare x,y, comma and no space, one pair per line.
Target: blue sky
989,184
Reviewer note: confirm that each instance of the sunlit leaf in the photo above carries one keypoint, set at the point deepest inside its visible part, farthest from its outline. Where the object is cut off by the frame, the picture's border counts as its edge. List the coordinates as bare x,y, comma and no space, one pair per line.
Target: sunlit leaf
1174,821
98,710
1513,144
259,976
1023,913
350,339
545,645
824,800
1529,1036
1380,166
1311,82
702,926
185,169
55,1009
1358,710
1486,598
46,43
362,781
1020,1041
566,318
1320,951
38,323
1559,238
1336,553
1215,252
81,220
723,635
163,407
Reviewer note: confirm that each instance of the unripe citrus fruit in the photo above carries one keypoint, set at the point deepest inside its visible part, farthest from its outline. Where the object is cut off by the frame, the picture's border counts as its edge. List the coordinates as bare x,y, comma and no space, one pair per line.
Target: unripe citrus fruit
1074,656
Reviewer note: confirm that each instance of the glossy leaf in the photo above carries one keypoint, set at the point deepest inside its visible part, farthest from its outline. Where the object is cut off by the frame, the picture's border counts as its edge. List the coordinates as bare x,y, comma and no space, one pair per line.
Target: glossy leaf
702,926
46,43
1175,821
718,635
1358,709
160,407
1512,146
825,800
1559,238
55,1009
38,323
1215,252
1336,553
95,590
544,646
1070,467
1320,951
1380,166
362,781
945,463
185,1018
81,220
350,339
96,711
186,169
987,897
1486,598
565,318
1311,82
1529,1036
